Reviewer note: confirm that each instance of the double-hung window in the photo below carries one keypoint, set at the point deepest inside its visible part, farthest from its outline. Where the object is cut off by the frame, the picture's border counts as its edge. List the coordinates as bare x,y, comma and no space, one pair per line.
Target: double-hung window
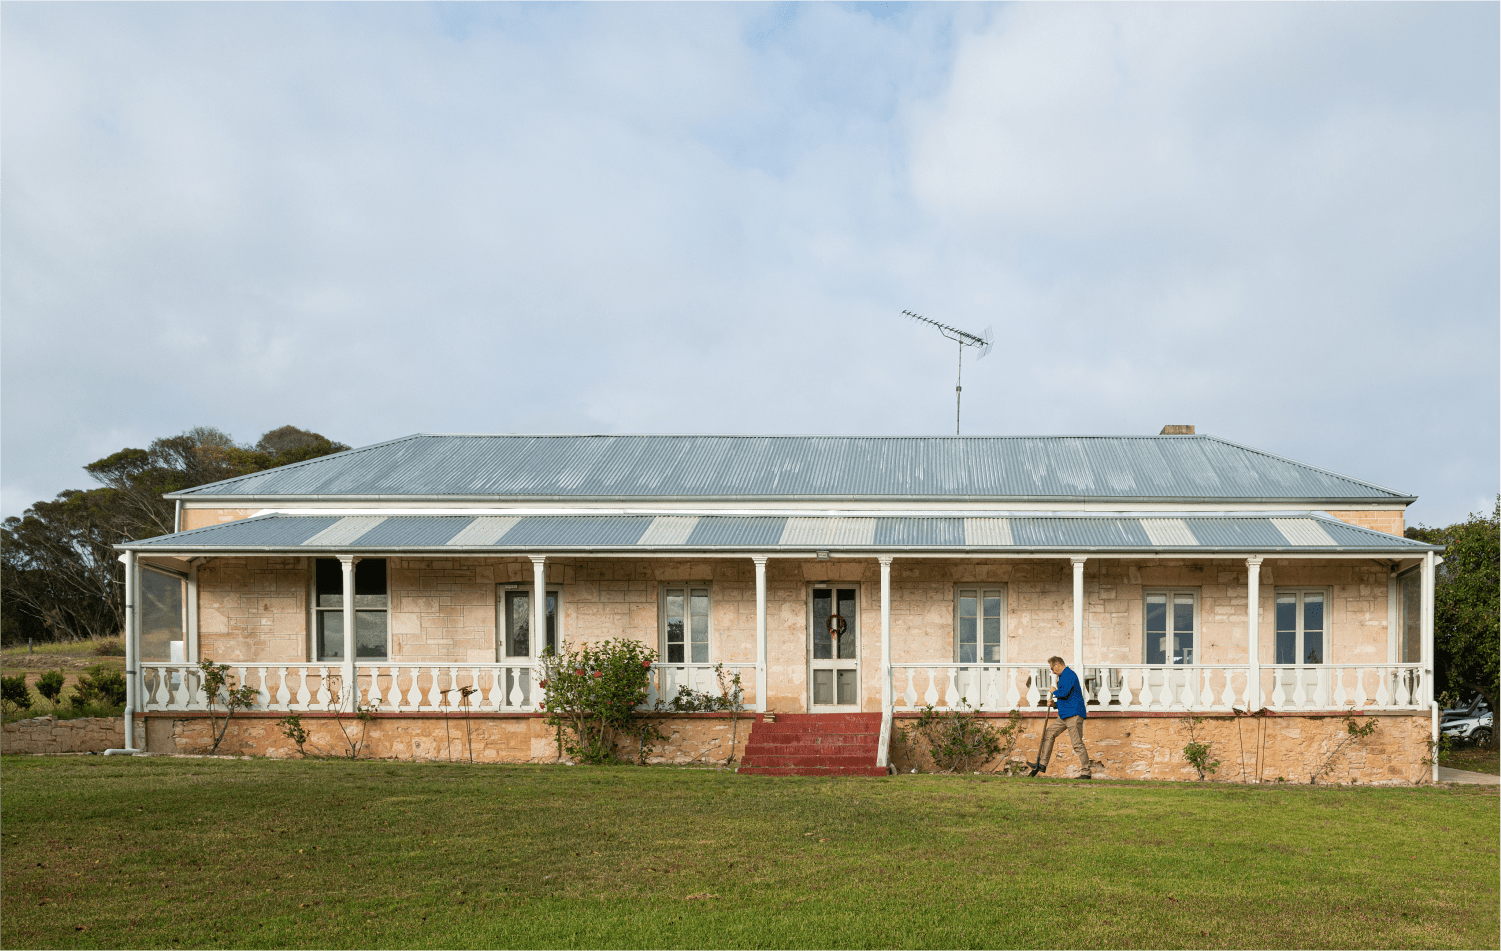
162,615
1302,626
1170,625
980,624
685,623
1410,604
371,609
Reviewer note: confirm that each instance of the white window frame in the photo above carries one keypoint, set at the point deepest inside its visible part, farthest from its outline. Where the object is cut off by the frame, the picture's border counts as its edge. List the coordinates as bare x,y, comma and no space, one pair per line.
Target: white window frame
859,629
687,587
502,619
1198,626
1282,591
980,590
314,611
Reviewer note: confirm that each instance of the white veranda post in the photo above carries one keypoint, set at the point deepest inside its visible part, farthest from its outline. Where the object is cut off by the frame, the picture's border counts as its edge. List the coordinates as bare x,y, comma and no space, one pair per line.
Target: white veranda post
884,749
760,562
1253,633
351,685
537,642
1425,614
1078,658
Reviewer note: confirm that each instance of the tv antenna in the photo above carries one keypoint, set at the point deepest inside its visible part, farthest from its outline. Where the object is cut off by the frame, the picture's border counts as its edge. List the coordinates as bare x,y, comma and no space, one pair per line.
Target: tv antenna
963,339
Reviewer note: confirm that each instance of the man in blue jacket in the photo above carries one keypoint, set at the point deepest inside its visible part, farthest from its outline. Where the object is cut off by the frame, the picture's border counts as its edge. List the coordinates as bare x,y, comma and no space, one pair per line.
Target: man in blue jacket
1069,697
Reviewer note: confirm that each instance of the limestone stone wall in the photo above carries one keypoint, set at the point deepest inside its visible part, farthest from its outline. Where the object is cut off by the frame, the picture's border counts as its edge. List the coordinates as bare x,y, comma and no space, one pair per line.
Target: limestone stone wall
253,609
1291,748
50,735
698,738
1393,522
202,518
443,610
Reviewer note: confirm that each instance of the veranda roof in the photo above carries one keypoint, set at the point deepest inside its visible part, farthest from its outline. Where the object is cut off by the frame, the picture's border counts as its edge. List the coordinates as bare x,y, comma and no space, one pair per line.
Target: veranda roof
623,534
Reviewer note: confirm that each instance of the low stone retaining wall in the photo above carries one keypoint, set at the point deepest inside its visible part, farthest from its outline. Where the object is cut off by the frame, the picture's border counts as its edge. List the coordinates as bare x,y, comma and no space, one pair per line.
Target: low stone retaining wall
51,735
524,738
1250,749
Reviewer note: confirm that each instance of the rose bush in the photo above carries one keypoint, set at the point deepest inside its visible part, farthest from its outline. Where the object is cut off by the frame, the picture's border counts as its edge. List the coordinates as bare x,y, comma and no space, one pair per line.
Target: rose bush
592,693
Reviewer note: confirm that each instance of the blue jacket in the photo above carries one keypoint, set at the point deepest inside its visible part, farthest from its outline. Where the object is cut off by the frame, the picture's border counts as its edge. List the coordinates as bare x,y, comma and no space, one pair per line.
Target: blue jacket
1069,697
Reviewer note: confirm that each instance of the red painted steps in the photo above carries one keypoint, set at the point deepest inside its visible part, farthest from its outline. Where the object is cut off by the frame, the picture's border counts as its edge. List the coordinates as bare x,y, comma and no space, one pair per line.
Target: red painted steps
814,744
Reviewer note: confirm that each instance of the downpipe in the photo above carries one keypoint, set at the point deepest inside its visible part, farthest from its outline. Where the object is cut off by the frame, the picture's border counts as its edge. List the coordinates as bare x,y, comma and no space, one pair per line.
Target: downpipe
1433,704
129,558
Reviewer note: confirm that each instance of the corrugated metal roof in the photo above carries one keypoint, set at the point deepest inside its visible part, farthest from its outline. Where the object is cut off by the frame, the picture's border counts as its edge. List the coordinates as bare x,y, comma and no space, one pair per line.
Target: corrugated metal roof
520,534
801,467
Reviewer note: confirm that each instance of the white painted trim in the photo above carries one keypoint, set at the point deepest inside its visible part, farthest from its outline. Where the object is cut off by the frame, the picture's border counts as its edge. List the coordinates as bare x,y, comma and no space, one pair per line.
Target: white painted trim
1078,658
859,627
853,507
760,562
1253,632
883,748
687,587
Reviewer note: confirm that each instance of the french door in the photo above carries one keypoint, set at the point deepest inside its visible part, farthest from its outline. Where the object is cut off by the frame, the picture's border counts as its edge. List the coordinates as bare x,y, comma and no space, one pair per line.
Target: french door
833,649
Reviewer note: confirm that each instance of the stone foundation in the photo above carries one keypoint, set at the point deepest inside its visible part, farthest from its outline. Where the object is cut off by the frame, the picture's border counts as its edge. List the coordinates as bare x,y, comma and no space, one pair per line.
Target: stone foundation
50,735
690,738
1291,748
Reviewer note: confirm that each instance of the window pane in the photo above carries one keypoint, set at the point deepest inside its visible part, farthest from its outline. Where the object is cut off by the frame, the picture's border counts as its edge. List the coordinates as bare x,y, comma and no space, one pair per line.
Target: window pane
330,583
823,647
330,635
370,583
848,695
1155,621
674,605
1183,629
1412,629
823,686
552,622
847,611
993,604
160,617
518,623
369,634
1313,612
969,636
700,625
967,603
1287,629
992,639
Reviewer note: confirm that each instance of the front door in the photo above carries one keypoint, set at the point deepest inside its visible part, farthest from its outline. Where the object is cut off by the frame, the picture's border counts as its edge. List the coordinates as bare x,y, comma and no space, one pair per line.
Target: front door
834,649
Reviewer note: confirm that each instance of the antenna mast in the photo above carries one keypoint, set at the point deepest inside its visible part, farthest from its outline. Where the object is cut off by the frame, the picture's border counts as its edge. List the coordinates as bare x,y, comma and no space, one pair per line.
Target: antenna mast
963,339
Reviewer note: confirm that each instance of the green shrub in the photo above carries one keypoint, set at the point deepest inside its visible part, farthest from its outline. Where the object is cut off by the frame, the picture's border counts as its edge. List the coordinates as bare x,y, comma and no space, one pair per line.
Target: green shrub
959,740
593,693
13,690
50,685
100,687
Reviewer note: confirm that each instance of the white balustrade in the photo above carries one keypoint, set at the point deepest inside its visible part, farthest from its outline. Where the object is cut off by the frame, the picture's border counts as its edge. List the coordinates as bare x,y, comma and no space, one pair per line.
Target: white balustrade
666,680
1148,688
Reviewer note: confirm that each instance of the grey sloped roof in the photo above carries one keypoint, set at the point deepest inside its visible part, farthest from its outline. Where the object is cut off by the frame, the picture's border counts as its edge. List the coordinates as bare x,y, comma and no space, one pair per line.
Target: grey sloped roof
985,468
395,534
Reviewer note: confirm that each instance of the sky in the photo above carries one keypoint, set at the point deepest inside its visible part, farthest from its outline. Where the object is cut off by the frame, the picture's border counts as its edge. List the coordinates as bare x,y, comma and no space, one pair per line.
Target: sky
1276,222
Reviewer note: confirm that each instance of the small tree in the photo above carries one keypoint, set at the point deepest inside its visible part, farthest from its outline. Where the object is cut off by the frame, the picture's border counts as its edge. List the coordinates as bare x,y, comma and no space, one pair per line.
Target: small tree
292,728
50,685
1198,753
593,694
101,686
220,687
13,690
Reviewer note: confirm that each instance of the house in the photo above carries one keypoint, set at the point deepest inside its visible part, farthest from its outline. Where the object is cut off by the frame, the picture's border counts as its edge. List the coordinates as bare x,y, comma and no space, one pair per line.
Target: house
1181,575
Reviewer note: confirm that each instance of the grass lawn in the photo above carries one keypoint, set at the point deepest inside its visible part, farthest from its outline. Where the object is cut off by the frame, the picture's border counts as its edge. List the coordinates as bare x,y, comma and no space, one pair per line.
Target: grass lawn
1476,759
158,852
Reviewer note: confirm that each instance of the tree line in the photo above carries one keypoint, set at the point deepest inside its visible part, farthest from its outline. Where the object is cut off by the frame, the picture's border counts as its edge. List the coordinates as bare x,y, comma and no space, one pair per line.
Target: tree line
60,577
1467,605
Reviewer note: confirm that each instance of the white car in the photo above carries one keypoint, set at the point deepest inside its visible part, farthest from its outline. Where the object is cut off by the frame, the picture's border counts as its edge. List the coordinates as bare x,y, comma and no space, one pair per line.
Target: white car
1469,728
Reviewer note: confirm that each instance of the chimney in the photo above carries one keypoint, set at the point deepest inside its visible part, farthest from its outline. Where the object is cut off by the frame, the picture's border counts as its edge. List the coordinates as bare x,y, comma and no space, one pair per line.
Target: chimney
1171,430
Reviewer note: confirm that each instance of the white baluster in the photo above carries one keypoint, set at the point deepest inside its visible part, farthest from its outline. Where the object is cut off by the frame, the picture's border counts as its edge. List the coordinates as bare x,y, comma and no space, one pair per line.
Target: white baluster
1279,691
930,698
1013,695
1403,683
304,695
1361,699
375,695
909,696
1123,698
513,677
1383,695
953,692
414,688
263,695
1338,675
325,697
1190,697
283,695
495,699
1034,692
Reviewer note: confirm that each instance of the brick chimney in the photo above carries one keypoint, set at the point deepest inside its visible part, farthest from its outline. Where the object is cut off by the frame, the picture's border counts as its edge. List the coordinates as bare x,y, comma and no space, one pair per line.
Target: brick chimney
1179,430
